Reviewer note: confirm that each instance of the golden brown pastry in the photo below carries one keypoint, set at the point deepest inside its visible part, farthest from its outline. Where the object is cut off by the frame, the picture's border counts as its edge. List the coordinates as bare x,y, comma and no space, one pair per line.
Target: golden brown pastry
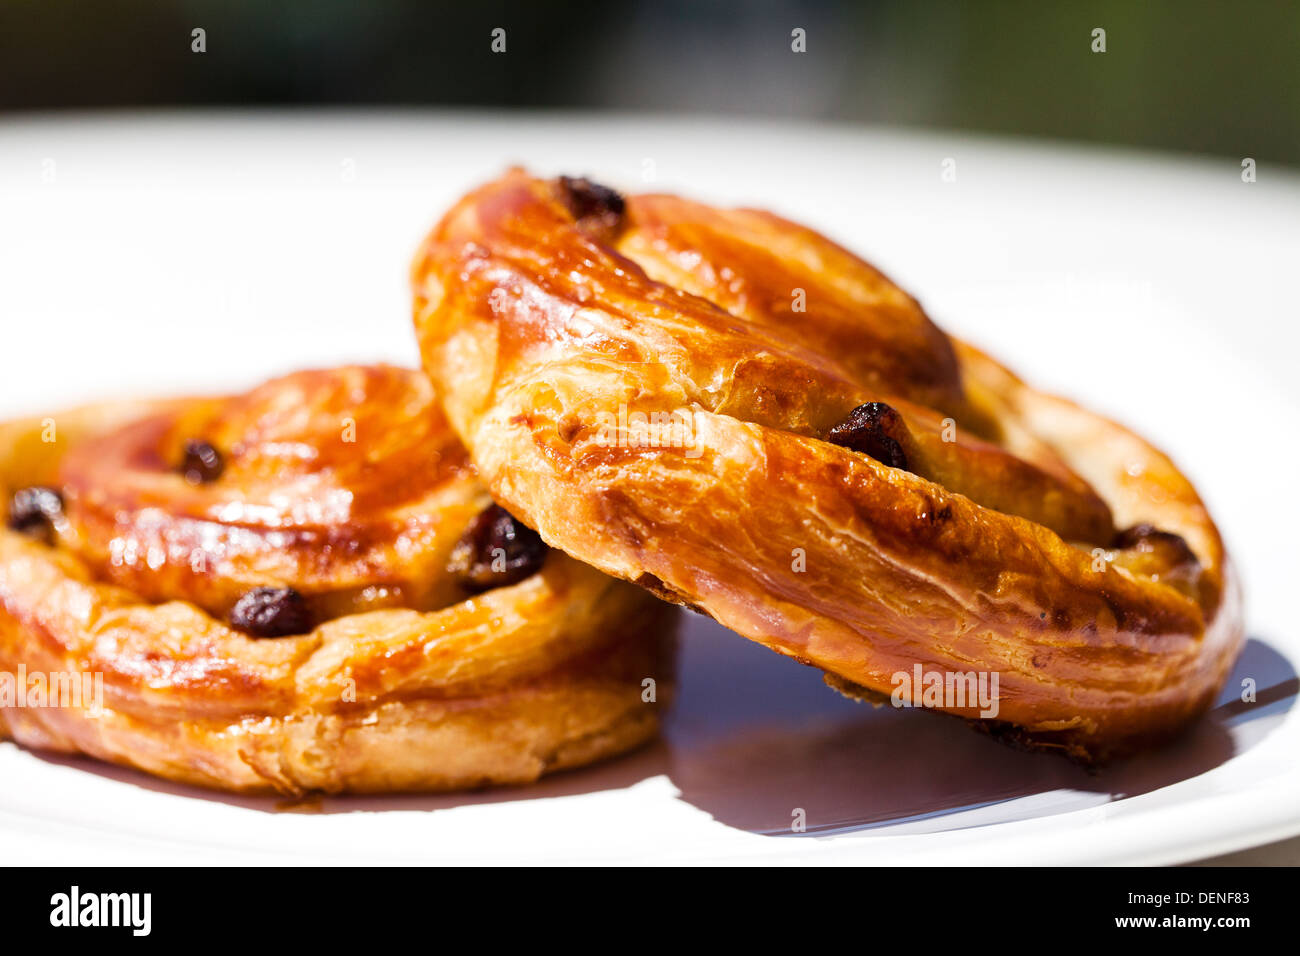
742,416
305,588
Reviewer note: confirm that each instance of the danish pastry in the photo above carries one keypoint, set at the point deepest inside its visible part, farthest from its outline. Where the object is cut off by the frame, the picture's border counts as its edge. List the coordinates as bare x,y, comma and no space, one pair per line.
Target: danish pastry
743,417
306,588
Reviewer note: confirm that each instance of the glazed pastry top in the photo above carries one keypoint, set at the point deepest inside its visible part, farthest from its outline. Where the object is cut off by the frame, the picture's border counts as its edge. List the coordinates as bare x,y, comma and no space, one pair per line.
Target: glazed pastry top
753,317
344,484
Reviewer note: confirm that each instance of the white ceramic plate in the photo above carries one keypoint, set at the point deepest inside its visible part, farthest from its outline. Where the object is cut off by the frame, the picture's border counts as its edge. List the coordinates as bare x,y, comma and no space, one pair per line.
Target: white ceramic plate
154,254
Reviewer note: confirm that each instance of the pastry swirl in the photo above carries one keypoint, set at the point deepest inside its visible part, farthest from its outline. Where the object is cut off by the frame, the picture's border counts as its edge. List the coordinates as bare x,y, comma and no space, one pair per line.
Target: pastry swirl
853,487
161,544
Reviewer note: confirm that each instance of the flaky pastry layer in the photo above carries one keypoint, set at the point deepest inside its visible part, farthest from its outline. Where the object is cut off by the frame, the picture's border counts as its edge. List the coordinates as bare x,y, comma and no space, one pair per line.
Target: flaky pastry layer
346,486
996,528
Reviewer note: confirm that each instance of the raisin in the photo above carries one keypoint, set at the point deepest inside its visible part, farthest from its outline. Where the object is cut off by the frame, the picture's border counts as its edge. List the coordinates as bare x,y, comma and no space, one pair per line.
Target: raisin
496,550
870,429
271,612
201,462
592,203
35,510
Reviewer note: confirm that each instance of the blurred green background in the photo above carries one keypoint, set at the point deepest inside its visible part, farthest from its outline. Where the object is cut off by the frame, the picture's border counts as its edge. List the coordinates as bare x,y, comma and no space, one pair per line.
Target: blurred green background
1214,77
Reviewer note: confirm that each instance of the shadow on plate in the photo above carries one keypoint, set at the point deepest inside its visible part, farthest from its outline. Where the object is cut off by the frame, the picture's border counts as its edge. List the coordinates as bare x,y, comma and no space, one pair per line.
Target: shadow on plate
759,742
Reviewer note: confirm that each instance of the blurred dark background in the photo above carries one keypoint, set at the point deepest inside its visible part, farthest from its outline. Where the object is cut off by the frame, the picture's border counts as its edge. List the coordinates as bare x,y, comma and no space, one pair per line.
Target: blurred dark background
1215,77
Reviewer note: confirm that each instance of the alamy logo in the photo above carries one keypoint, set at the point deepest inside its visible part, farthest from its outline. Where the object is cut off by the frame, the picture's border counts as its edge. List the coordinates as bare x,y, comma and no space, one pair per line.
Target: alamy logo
946,690
77,689
103,909
636,429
